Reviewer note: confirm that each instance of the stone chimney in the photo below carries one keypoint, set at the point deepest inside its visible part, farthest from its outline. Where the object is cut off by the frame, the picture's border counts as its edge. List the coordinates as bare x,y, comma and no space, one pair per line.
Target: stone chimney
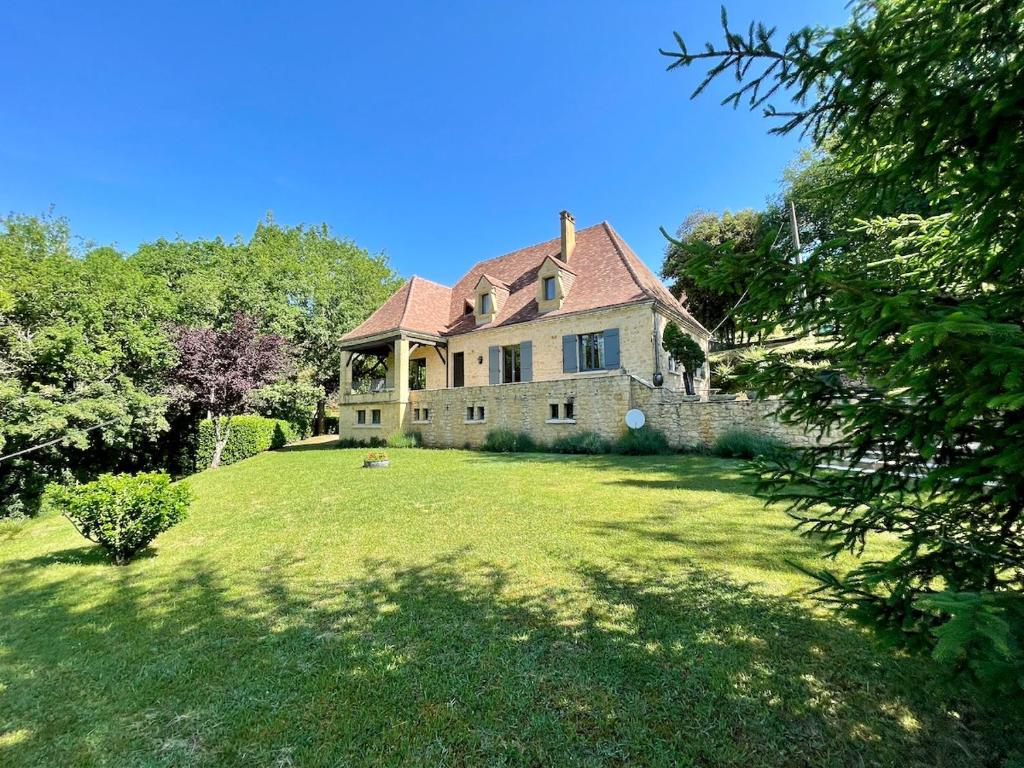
568,235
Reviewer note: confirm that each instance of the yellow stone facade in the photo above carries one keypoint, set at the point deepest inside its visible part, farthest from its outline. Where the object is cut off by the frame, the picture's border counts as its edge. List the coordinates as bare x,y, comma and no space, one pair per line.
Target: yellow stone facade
600,398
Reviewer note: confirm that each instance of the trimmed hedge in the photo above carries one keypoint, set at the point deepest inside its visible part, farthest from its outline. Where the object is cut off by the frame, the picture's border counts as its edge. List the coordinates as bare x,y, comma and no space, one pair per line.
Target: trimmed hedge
249,435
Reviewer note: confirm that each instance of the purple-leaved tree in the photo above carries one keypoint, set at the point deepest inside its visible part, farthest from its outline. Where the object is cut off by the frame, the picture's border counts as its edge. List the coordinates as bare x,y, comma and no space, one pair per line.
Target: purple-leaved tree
219,368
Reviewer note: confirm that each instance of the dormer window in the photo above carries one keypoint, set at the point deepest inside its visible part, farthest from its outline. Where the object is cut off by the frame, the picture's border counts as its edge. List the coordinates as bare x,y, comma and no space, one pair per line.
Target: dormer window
554,281
486,304
550,288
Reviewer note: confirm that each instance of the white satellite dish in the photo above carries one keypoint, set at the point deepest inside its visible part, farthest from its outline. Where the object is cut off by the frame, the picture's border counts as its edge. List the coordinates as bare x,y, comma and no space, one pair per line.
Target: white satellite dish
635,418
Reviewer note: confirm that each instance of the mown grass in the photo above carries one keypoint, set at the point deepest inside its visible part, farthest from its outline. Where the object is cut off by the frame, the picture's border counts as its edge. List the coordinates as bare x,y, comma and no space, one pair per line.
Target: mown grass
459,609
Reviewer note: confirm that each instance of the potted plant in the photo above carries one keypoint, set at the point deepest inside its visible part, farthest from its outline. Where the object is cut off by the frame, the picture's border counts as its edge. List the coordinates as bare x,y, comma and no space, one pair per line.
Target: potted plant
376,460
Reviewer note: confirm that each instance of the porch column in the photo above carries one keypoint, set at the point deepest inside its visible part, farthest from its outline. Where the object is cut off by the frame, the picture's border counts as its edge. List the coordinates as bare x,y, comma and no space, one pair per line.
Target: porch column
401,348
346,372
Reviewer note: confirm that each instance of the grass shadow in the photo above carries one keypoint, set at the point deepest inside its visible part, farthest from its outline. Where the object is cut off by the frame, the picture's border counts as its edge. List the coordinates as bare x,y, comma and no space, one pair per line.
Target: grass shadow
450,663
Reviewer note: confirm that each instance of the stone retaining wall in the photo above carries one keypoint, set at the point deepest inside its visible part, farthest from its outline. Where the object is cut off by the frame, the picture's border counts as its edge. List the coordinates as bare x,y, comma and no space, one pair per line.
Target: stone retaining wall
599,405
688,421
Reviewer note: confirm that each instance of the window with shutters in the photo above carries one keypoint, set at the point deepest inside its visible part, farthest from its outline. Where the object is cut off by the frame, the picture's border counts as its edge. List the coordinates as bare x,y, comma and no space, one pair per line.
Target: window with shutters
591,351
511,364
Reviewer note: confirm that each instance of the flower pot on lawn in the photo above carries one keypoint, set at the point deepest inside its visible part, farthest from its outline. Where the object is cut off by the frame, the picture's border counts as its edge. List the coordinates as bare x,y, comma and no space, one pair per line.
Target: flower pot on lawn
376,460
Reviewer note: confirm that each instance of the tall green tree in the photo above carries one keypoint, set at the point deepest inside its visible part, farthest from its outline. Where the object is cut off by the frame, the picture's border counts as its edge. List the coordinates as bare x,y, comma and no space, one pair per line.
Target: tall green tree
700,233
919,107
82,346
300,282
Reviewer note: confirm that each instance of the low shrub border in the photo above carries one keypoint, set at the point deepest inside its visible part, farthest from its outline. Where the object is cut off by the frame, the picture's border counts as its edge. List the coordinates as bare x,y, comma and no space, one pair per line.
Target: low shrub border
250,435
507,441
738,444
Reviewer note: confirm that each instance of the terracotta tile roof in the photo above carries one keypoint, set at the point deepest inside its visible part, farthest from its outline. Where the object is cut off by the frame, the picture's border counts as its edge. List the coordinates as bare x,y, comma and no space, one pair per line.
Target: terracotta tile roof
419,305
607,272
495,281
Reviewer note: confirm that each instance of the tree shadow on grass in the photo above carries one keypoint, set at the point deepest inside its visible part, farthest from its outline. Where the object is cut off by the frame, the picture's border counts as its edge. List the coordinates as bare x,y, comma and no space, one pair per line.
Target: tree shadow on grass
452,663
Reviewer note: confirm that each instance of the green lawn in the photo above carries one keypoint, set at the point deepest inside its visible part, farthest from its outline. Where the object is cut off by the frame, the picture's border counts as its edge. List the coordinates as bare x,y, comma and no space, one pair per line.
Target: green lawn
458,609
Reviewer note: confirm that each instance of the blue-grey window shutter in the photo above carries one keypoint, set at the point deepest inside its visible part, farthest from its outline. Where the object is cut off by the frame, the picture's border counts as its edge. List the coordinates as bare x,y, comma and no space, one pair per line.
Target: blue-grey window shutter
494,364
526,360
569,362
611,348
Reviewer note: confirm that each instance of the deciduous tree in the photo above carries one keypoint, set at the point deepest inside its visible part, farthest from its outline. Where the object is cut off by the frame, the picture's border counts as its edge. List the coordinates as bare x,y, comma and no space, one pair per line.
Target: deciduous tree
219,368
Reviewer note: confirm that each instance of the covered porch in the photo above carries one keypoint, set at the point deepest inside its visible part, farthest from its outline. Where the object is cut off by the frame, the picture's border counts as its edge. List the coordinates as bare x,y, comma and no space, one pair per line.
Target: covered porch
380,368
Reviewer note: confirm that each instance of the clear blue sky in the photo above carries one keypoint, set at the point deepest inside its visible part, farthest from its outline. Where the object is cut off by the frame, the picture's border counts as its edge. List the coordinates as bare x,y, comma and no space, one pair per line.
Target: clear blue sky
439,133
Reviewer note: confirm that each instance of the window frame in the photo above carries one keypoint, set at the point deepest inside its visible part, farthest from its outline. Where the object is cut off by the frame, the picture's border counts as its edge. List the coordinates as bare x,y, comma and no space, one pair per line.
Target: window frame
515,375
549,282
361,417
553,411
486,304
596,347
418,369
375,417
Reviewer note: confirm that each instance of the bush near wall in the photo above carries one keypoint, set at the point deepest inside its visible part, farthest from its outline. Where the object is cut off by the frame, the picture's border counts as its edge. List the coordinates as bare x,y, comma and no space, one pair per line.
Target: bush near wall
507,441
645,441
738,444
249,435
582,443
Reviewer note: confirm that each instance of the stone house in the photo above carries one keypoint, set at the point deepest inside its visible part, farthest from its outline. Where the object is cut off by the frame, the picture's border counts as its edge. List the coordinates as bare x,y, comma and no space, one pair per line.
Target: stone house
547,340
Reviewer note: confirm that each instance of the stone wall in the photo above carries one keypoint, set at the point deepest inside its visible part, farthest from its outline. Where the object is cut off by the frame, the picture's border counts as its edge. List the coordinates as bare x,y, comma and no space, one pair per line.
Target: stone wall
688,421
599,404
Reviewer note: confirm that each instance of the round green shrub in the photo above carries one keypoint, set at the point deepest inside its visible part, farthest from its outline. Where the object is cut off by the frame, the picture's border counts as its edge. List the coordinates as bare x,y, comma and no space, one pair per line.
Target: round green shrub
121,513
645,441
583,443
738,444
507,441
404,440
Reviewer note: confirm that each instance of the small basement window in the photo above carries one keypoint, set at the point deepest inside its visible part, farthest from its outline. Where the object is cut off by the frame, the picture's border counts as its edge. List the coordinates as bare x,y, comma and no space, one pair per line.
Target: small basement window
554,410
570,410
416,414
375,416
360,417
426,414
479,413
469,412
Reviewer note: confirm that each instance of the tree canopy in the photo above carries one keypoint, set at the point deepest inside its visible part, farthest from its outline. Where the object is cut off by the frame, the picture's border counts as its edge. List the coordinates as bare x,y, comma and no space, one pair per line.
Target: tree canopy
86,336
917,287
